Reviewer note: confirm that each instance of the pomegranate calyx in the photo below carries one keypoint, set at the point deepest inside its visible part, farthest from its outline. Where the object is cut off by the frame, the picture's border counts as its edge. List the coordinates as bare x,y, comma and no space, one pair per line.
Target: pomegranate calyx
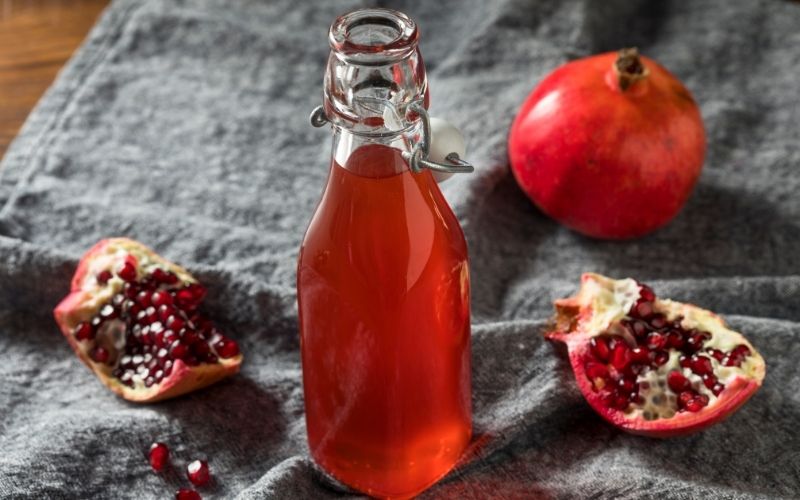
628,68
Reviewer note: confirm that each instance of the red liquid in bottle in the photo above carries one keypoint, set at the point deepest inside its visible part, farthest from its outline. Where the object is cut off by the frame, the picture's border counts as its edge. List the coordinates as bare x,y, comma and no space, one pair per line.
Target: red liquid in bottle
383,291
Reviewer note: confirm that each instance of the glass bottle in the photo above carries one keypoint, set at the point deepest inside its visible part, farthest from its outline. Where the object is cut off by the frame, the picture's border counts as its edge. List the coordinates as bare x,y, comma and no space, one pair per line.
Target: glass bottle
383,278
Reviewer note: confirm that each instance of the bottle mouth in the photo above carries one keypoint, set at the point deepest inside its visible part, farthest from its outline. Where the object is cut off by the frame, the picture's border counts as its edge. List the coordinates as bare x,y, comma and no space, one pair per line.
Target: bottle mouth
373,36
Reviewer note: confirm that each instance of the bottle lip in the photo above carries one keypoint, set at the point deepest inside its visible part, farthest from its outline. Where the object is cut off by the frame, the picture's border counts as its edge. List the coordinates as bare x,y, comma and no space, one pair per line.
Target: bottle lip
373,35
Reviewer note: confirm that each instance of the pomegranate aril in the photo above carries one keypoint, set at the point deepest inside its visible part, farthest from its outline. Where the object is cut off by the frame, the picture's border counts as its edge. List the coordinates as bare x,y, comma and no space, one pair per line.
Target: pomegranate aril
159,454
189,336
660,358
178,350
620,402
716,354
599,346
99,355
127,271
197,472
658,321
697,403
226,348
161,276
701,365
187,494
621,356
640,328
656,341
677,382
83,331
717,389
103,277
642,309
685,361
640,354
160,298
593,369
709,381
741,350
646,293
674,339
626,385
685,397
175,323
108,312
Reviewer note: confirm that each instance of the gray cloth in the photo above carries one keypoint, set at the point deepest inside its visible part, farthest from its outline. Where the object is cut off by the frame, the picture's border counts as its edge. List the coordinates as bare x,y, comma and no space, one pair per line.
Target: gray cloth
184,125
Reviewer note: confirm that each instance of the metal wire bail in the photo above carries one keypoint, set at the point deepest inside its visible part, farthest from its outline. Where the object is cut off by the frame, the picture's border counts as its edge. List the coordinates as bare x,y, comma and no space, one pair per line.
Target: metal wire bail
418,157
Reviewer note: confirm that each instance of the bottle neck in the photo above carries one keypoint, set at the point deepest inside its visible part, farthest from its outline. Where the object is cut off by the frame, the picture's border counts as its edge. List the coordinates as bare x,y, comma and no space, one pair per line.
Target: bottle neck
375,71
373,155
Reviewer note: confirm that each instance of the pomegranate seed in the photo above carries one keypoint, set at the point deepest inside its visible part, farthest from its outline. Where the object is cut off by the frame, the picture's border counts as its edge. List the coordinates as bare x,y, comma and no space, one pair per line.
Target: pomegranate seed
646,293
685,397
741,350
717,389
709,381
596,370
159,454
621,356
656,341
175,323
640,328
661,358
83,331
198,472
127,272
620,402
643,309
227,348
161,298
143,298
697,403
701,365
685,362
103,277
187,494
184,298
658,321
108,312
189,336
640,354
200,349
99,355
675,339
599,348
716,354
161,276
626,385
178,350
677,382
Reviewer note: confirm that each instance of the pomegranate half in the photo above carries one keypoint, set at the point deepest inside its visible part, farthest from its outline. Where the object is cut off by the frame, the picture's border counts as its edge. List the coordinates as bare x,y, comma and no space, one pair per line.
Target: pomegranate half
609,145
132,317
653,366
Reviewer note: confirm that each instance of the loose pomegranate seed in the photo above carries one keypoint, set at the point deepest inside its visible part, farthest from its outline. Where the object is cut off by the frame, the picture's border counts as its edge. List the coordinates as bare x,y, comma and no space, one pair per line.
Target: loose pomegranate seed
83,331
159,454
186,494
99,355
677,382
198,472
599,347
226,348
103,277
127,272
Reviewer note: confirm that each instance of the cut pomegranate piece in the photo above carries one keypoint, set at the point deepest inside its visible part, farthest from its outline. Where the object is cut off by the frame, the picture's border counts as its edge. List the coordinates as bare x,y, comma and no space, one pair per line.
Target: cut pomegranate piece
159,455
131,316
197,472
654,367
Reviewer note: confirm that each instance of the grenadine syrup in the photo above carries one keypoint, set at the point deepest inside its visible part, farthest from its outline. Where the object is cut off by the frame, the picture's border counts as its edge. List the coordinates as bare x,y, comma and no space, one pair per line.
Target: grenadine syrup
383,287
383,278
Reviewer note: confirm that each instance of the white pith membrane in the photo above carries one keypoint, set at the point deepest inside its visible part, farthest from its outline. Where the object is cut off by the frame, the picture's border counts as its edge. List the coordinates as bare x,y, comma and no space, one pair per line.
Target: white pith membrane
111,334
611,300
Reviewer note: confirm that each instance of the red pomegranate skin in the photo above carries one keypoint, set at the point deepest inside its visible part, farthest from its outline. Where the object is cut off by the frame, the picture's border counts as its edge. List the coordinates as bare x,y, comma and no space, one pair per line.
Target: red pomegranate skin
606,162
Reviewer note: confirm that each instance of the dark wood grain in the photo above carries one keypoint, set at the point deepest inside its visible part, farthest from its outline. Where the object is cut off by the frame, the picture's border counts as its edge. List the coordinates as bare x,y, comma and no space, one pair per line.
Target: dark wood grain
36,38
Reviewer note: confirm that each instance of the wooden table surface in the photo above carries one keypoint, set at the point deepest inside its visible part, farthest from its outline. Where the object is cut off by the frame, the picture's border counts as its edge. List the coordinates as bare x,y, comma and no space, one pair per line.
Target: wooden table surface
36,39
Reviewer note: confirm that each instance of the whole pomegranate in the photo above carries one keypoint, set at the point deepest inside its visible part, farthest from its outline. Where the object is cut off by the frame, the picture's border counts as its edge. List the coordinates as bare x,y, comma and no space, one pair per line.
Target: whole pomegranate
132,317
654,367
610,145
